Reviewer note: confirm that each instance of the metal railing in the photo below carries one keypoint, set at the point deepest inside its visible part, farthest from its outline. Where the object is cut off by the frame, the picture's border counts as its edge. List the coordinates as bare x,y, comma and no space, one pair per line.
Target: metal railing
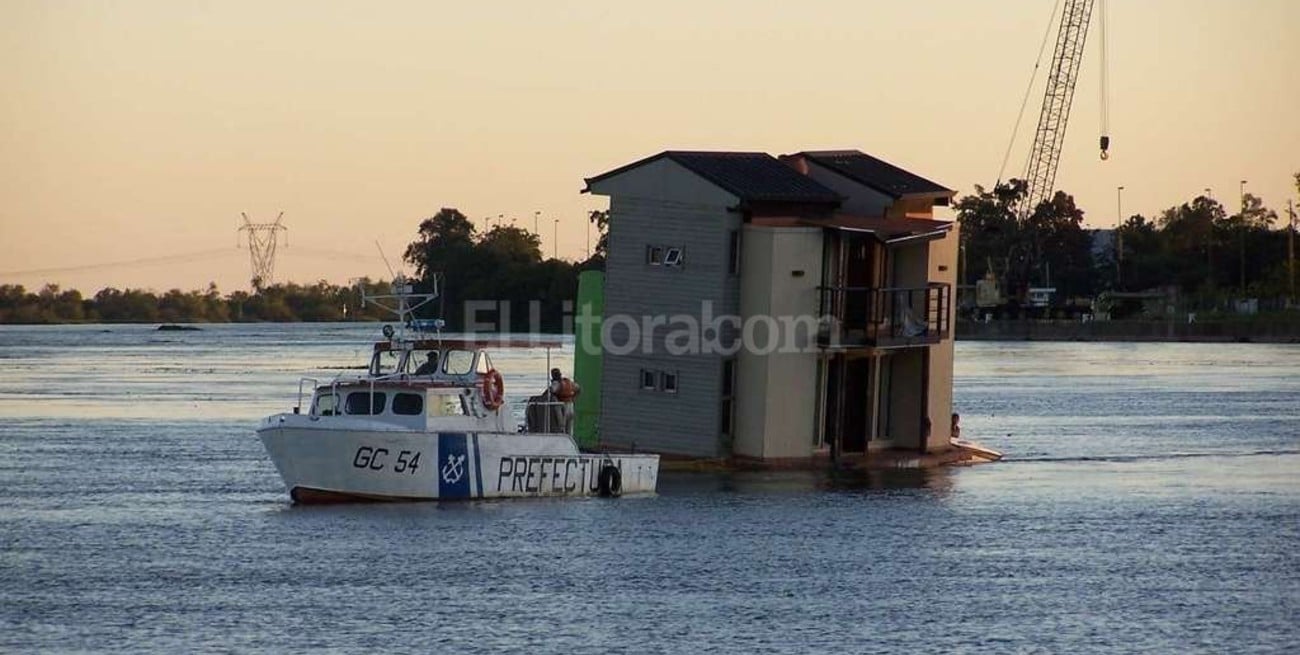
885,317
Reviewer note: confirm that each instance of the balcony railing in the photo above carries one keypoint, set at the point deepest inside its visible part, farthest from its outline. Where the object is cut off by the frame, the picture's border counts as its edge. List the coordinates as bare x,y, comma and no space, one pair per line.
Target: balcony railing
885,317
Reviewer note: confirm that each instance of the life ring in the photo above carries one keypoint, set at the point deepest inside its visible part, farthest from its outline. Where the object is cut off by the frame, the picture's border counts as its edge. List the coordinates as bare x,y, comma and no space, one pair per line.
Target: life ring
609,482
494,389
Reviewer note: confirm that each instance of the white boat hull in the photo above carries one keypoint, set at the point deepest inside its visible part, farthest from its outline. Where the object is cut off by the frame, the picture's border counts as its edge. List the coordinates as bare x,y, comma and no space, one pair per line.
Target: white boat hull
320,461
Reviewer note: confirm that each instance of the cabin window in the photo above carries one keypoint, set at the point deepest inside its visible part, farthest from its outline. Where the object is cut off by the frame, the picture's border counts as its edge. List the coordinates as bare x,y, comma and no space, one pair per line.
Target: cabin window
325,404
446,405
458,362
384,362
408,404
364,402
423,362
647,379
483,364
673,257
654,255
668,381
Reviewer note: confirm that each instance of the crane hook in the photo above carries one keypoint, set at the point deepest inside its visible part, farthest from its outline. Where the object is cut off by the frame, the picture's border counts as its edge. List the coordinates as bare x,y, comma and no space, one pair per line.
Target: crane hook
1105,146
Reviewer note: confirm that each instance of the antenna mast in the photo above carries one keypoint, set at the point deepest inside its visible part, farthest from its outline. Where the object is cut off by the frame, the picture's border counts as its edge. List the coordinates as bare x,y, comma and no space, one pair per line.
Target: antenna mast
262,240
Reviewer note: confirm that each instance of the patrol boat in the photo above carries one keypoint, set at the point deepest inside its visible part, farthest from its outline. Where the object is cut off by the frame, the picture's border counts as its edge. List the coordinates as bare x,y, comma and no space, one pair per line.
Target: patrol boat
428,420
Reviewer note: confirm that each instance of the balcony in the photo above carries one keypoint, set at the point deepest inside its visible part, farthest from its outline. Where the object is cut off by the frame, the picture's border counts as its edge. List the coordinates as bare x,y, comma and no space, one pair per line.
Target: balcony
872,317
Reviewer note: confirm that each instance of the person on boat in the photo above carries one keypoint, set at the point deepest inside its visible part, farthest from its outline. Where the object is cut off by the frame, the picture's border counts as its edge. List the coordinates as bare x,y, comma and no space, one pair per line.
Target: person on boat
956,426
430,366
564,391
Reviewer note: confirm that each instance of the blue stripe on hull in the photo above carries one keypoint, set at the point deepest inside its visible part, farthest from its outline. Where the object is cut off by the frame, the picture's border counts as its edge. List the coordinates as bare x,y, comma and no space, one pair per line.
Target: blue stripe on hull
453,465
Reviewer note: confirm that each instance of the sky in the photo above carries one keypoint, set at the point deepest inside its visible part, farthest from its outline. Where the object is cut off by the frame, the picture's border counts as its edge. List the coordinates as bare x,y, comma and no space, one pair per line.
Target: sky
134,133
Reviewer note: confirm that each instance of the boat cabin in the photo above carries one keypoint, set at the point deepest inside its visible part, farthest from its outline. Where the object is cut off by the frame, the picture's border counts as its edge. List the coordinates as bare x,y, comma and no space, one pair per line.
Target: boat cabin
415,406
428,384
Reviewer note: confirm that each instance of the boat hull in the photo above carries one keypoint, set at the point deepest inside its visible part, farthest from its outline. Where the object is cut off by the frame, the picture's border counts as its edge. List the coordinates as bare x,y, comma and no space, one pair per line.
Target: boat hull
323,464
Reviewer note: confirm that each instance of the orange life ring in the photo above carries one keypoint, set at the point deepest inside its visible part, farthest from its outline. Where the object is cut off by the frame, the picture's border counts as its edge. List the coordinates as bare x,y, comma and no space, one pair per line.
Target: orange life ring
494,389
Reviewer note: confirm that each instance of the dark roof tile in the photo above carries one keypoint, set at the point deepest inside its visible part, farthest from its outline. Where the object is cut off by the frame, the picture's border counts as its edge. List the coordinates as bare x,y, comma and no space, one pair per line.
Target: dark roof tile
754,177
875,173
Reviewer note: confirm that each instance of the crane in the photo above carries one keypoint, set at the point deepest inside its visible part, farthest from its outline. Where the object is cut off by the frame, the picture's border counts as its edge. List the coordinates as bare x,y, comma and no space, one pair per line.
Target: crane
1045,155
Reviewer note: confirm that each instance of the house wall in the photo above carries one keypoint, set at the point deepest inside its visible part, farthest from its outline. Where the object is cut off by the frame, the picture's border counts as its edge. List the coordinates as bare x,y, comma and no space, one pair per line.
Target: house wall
776,400
663,203
905,398
943,268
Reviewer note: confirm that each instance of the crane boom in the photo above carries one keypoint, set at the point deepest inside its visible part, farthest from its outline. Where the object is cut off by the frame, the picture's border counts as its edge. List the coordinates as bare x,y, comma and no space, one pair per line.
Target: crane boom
1040,173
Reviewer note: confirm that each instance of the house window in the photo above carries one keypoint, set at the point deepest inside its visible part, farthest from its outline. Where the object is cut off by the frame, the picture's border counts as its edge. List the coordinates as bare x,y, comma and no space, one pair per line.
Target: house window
733,253
648,379
673,257
668,381
654,255
726,409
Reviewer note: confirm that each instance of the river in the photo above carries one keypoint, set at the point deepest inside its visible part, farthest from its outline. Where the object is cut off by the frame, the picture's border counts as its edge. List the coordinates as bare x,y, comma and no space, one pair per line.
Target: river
1149,502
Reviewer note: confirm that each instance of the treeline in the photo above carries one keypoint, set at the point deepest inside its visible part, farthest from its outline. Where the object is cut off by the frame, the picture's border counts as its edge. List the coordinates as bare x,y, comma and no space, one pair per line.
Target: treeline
1206,253
280,302
499,274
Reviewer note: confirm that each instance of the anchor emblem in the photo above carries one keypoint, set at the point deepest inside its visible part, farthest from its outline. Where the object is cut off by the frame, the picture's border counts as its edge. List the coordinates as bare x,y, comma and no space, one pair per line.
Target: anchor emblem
453,469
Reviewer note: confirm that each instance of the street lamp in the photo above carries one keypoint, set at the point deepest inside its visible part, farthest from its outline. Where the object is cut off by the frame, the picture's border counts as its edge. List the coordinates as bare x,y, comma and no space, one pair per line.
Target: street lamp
536,216
1119,236
555,247
1241,237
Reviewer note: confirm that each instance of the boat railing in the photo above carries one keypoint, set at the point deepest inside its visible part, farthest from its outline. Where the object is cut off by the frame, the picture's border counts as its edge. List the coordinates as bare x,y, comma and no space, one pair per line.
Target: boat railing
297,409
547,416
885,316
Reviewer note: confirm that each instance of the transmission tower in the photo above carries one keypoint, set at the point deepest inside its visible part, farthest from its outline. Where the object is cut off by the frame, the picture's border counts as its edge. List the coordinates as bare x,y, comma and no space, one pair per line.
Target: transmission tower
262,240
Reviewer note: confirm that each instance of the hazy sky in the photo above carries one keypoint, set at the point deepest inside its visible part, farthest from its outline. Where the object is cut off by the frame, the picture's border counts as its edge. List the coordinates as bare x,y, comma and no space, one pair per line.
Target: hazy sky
133,131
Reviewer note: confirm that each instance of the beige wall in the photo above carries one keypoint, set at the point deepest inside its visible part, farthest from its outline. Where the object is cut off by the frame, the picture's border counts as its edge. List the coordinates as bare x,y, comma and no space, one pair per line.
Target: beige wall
906,375
943,268
777,392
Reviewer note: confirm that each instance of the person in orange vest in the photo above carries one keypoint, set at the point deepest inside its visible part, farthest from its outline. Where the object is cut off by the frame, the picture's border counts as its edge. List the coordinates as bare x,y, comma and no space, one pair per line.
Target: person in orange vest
564,391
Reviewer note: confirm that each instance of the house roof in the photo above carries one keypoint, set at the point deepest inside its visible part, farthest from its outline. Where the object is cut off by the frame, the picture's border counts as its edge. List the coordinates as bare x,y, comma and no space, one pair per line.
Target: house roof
757,178
875,173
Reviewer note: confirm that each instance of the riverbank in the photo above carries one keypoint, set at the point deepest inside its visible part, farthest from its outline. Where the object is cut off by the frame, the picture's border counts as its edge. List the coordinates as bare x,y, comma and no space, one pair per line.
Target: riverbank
1255,330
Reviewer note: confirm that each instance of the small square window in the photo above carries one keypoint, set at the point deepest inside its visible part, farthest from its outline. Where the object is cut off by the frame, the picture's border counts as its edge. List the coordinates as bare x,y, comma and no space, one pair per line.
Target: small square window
669,381
654,255
673,257
647,379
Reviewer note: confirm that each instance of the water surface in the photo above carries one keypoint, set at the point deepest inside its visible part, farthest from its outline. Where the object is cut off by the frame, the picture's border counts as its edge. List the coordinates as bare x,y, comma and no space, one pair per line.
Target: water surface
1150,502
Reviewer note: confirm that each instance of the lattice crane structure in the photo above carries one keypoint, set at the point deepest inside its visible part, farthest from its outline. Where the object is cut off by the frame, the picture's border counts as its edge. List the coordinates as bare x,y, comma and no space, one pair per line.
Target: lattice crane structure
1040,173
262,241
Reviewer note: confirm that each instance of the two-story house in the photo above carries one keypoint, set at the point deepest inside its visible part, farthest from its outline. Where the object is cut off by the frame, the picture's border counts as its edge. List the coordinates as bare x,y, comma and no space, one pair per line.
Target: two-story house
789,309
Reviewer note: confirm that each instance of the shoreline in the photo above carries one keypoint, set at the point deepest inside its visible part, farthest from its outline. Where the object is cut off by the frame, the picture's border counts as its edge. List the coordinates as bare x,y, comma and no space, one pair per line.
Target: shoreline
1269,331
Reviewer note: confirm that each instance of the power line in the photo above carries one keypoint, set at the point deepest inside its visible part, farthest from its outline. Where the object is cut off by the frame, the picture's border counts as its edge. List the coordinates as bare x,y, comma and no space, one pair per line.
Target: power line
142,261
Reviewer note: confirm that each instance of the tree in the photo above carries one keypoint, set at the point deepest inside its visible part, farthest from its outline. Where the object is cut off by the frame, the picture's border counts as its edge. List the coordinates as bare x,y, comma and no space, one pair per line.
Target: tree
599,218
1048,246
443,242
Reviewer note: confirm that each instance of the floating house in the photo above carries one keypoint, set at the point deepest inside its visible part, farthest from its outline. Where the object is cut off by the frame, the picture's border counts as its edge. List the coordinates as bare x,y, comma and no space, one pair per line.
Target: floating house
777,310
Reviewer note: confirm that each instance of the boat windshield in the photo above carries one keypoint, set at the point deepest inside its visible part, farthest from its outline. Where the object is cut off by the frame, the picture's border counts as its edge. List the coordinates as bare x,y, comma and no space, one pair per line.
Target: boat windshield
458,362
385,362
